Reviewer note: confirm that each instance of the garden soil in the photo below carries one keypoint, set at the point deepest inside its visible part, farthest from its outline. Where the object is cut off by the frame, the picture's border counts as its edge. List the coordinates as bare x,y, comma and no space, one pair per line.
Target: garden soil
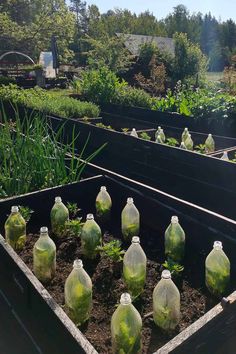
108,287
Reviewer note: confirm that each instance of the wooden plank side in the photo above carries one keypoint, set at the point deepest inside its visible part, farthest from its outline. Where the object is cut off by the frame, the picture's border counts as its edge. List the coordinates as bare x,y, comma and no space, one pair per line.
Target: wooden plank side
53,331
211,334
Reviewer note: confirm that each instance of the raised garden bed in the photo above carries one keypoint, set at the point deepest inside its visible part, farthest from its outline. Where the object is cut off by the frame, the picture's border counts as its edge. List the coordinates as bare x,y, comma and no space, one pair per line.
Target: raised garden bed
121,124
36,309
216,124
191,176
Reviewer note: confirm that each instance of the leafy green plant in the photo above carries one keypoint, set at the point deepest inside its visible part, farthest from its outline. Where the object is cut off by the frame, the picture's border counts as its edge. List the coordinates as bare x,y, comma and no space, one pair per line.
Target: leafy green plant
73,228
201,148
101,125
73,209
26,212
175,268
172,142
32,156
125,130
112,250
47,102
144,136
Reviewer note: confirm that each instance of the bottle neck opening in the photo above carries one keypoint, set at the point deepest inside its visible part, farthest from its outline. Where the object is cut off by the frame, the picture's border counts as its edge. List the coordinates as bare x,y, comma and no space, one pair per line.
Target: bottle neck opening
77,264
217,245
125,299
166,274
58,200
14,209
135,240
90,217
130,200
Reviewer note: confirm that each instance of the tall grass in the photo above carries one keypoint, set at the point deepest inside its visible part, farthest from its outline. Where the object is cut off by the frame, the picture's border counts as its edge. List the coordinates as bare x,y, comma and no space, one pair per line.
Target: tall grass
32,156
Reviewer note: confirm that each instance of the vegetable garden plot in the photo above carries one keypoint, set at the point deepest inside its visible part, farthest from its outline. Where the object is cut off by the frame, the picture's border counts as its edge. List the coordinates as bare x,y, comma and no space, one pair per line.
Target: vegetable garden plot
125,124
216,124
155,209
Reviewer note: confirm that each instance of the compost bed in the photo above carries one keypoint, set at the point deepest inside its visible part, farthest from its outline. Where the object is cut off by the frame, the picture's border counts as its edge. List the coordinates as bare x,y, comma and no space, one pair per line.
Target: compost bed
108,286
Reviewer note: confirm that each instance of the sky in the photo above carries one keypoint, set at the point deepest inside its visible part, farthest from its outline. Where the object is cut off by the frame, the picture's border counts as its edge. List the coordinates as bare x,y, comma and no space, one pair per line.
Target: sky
221,9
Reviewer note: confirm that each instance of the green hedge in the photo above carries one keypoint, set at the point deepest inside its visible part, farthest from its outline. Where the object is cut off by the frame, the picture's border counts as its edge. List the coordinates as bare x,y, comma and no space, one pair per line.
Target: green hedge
47,102
102,86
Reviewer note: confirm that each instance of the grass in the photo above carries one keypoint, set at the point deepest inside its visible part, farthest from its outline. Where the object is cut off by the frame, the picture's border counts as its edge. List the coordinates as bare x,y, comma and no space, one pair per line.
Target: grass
32,156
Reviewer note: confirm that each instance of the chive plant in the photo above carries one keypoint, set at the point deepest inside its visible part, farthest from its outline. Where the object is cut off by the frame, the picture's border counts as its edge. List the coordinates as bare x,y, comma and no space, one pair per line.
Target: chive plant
33,156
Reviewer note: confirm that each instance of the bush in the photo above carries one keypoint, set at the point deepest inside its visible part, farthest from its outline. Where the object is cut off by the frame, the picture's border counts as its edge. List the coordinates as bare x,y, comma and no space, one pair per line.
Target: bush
4,80
47,102
130,96
101,85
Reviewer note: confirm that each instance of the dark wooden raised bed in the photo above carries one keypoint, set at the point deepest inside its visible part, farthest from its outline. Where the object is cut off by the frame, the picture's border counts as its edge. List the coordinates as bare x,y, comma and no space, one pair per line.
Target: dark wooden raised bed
215,124
45,323
118,122
201,179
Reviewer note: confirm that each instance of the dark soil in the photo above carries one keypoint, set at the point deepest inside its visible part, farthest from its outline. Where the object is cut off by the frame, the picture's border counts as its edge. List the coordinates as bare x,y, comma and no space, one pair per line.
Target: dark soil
108,286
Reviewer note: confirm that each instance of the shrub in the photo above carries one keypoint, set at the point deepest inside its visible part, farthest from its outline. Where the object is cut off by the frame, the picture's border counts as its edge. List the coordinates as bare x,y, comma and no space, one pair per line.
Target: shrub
130,96
101,85
47,102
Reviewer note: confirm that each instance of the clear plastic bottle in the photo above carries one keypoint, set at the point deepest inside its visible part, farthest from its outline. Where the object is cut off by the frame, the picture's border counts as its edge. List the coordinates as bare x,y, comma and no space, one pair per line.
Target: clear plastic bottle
166,303
184,134
162,134
59,216
225,156
189,142
103,204
91,237
15,229
134,268
209,144
159,139
44,257
78,294
174,240
183,146
157,132
126,327
130,220
134,133
217,268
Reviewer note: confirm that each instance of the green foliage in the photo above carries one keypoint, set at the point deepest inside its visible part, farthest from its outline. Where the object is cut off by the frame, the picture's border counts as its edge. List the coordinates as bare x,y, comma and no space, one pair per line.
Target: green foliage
201,148
112,250
110,52
33,157
47,102
101,125
125,130
175,268
73,209
129,96
145,136
6,80
26,212
189,60
72,228
28,26
100,86
172,142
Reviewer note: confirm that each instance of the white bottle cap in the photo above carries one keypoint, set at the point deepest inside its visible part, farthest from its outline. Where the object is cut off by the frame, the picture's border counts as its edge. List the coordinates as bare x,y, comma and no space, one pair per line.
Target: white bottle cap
130,200
218,245
166,274
135,239
103,188
14,209
174,219
90,217
58,200
78,263
125,299
44,230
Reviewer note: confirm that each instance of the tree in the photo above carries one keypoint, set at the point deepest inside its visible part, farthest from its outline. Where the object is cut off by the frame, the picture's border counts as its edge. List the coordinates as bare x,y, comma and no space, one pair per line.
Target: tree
109,52
189,59
47,18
